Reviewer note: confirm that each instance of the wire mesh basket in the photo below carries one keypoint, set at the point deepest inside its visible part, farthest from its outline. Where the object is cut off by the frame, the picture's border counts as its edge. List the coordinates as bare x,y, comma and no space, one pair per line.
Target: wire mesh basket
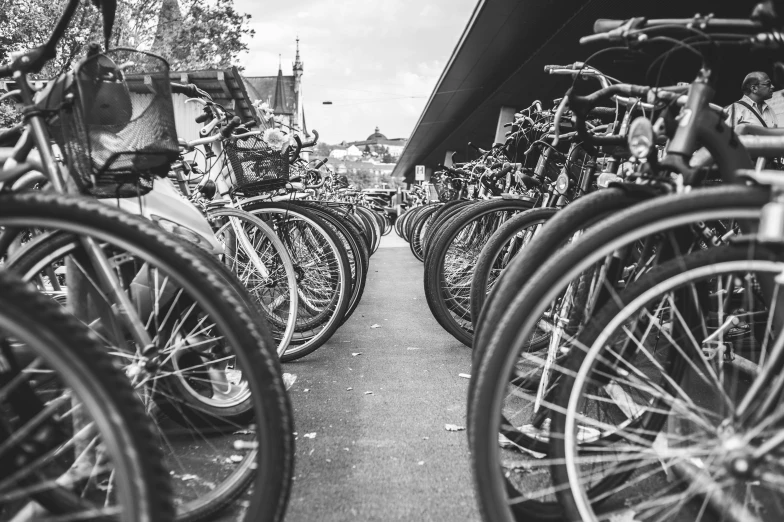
116,125
256,166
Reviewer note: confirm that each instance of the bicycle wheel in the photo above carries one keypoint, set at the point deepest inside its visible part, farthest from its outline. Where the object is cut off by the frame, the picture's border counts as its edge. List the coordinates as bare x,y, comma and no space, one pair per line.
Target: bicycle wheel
451,261
353,243
555,234
419,229
718,454
261,262
446,212
323,269
371,226
74,438
212,371
499,407
508,241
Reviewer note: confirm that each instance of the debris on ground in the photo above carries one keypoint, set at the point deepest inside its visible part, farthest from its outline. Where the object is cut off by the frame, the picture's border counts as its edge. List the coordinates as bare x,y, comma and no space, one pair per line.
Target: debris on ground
464,375
412,348
375,326
517,466
368,393
453,427
355,354
421,463
289,379
236,458
306,390
623,516
189,476
349,388
310,435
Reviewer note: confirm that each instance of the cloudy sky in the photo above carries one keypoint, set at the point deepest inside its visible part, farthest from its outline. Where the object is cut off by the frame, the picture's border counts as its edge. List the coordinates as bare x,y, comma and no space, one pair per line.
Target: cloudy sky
377,61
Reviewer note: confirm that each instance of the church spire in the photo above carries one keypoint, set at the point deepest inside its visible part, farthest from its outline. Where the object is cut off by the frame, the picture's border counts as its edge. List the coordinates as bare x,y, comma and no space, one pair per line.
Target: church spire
298,65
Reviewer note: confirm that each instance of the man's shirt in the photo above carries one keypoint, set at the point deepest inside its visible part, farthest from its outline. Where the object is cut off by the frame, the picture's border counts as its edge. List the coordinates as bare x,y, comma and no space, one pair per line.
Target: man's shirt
740,115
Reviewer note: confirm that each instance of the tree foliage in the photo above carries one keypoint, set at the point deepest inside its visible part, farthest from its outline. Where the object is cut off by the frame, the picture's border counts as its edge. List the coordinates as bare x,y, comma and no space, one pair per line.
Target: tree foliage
191,34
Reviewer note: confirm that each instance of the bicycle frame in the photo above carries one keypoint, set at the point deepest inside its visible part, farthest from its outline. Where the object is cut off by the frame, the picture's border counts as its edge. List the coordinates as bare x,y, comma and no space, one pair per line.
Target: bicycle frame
36,135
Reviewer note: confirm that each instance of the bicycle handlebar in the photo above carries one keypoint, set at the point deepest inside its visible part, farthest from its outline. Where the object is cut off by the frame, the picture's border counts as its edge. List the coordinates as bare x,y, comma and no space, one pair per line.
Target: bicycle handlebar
582,105
229,128
312,142
205,116
615,30
190,90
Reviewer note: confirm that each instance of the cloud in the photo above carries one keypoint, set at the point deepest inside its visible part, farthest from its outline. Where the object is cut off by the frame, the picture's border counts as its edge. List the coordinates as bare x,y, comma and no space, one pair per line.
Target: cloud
363,56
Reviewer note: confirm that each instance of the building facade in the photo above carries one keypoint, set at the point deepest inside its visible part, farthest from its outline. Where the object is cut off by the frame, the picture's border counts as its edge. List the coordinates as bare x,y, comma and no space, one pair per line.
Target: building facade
282,95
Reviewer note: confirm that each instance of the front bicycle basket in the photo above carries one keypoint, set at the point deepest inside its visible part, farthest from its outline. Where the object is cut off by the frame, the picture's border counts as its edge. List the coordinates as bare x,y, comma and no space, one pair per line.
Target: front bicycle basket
256,166
116,125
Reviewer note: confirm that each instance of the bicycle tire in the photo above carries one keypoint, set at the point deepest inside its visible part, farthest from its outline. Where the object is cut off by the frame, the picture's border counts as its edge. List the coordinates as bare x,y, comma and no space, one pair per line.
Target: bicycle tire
284,322
488,257
491,372
270,465
317,329
662,278
70,351
575,217
356,247
418,230
442,301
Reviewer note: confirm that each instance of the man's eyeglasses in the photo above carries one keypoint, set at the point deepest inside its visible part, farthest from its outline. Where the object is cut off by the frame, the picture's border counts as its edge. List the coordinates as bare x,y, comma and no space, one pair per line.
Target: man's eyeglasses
766,84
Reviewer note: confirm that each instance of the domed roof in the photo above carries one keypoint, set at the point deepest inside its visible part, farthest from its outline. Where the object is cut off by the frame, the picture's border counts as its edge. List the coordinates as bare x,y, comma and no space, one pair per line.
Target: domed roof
376,136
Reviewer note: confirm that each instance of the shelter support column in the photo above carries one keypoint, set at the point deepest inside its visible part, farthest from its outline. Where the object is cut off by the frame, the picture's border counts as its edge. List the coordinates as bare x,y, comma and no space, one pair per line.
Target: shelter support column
505,115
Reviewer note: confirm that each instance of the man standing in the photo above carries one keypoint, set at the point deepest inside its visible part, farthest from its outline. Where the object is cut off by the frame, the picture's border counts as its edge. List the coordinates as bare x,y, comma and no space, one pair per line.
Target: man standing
752,109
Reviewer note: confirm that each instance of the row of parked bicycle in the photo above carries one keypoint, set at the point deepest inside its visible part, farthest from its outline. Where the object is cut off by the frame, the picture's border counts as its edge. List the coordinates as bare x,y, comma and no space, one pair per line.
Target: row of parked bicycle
149,290
616,266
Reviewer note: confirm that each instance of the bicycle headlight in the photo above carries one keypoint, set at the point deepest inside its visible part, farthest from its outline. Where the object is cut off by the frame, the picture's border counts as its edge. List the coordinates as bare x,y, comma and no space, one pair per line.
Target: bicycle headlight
640,137
562,183
177,229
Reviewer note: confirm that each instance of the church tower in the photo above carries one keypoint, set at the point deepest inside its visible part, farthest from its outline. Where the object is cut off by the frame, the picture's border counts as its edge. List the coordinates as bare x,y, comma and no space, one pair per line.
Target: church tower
298,67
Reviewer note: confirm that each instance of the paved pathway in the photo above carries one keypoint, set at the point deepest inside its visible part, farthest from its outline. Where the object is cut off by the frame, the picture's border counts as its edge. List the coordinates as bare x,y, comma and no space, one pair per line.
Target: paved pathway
380,450
376,401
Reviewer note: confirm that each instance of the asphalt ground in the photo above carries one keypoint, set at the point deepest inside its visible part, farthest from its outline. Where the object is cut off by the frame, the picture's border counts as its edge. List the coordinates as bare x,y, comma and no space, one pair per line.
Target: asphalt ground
371,408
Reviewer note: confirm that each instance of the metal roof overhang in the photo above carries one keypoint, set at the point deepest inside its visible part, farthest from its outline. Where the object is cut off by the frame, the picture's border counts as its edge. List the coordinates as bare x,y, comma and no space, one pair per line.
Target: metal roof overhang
499,62
225,86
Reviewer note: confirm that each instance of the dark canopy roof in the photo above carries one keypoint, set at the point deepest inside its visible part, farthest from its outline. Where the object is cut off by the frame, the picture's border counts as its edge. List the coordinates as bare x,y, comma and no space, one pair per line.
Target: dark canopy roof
500,57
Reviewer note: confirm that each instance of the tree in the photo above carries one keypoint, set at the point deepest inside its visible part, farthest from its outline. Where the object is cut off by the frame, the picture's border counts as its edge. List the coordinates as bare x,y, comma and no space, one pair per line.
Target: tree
192,34
204,35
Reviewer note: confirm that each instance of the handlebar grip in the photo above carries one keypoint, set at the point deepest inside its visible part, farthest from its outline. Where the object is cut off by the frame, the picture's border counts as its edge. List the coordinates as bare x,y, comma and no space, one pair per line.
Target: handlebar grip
549,68
604,25
295,155
503,172
601,111
478,149
205,116
528,180
228,129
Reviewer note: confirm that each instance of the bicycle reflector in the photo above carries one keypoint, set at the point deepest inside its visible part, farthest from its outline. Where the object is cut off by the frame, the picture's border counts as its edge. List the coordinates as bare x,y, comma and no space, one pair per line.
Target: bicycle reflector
562,183
640,137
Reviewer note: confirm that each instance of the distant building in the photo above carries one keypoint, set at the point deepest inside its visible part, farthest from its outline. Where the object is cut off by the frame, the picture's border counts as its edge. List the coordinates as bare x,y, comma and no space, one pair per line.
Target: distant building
377,142
338,154
282,94
353,152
